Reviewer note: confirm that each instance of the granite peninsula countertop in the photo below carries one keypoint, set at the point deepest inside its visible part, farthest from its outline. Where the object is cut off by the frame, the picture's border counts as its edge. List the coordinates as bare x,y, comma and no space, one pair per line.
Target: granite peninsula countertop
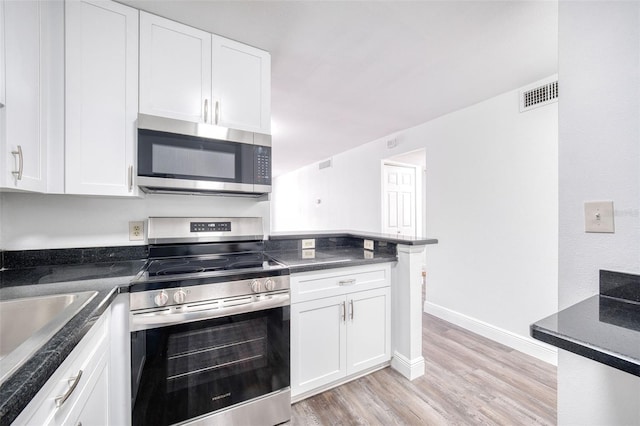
107,278
389,238
604,327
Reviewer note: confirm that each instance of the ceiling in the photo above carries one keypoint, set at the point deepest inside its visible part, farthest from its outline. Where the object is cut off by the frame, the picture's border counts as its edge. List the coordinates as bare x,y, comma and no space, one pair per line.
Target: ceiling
345,73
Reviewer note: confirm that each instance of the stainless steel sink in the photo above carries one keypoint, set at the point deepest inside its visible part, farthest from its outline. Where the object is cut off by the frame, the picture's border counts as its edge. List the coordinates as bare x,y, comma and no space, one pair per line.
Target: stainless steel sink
27,324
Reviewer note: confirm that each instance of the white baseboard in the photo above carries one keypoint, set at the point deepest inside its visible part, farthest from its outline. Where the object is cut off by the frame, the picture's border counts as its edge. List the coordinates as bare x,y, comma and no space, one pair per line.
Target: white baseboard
520,343
409,368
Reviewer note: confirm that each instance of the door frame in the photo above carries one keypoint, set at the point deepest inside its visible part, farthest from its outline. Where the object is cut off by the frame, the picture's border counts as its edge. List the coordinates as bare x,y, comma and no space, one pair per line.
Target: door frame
419,209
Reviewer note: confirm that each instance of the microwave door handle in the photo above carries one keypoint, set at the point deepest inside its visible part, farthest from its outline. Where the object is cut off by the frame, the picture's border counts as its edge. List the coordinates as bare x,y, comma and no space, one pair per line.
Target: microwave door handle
206,110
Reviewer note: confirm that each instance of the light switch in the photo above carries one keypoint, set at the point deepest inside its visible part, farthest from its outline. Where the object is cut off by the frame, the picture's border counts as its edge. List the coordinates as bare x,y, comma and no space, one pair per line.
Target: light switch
598,216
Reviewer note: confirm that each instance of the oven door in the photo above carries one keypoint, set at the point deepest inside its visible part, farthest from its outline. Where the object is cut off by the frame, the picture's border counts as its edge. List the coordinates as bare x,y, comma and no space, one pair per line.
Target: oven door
193,370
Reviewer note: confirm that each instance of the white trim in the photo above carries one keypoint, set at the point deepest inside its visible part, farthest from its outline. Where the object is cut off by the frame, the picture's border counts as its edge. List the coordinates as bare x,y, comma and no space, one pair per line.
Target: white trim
528,346
411,369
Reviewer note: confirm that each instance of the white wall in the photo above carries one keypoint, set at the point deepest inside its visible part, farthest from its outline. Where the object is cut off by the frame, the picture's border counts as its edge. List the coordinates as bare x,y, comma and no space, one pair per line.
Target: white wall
37,221
599,159
491,196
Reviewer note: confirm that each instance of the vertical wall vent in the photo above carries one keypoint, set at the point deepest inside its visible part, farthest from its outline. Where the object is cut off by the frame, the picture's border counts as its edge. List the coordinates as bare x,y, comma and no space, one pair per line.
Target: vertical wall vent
539,96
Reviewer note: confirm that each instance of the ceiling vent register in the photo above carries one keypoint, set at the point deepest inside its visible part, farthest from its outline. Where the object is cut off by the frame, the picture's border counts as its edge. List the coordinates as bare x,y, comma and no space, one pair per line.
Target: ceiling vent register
539,96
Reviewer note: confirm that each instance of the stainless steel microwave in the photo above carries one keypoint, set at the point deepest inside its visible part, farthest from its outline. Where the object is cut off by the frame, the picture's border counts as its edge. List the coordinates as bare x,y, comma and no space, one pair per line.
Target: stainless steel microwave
177,156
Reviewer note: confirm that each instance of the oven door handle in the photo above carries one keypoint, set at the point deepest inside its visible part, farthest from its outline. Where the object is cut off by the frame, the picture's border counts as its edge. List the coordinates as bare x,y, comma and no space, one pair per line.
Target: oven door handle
164,318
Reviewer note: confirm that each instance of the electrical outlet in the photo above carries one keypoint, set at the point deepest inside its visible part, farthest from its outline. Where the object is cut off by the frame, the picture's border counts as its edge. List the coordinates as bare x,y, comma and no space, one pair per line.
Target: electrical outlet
309,244
136,231
368,244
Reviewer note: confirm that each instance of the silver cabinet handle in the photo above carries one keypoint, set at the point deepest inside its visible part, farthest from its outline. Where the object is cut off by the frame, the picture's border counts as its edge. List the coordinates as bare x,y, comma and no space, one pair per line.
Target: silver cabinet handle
351,303
206,110
18,174
130,178
217,112
347,282
344,311
73,383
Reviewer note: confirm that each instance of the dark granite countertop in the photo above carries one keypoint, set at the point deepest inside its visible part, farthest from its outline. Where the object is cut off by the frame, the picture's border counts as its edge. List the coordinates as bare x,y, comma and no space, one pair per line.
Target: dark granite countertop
106,278
111,278
604,328
389,238
329,258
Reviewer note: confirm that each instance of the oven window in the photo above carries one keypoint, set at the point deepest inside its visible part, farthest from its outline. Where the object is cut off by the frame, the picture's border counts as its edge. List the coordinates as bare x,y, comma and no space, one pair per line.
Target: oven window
175,160
188,370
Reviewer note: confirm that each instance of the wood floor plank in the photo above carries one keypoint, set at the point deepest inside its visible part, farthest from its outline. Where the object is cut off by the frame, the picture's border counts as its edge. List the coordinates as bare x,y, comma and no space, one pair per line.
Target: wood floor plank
469,380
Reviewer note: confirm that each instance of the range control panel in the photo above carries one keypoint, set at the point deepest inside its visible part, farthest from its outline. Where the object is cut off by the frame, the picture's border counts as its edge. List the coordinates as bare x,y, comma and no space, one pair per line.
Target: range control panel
210,226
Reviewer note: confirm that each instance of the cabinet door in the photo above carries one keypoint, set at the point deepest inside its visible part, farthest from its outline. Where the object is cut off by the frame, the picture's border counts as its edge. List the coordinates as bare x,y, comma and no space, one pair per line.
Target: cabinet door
76,377
241,86
92,409
175,69
24,144
101,97
368,329
318,343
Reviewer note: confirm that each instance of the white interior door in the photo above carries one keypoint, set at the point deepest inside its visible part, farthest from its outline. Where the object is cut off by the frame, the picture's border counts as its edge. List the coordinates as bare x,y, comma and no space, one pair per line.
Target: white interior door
399,200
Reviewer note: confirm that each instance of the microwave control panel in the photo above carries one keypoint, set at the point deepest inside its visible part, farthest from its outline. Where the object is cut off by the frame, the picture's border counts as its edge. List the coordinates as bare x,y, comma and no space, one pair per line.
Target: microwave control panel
210,226
263,165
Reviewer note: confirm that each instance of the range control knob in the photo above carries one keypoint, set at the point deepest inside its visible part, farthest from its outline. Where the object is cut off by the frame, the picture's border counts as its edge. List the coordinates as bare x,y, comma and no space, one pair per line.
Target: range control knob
179,296
256,286
269,285
161,298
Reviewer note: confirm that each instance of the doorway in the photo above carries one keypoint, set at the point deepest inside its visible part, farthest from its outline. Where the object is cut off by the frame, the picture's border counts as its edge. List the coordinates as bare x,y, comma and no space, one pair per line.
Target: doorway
402,200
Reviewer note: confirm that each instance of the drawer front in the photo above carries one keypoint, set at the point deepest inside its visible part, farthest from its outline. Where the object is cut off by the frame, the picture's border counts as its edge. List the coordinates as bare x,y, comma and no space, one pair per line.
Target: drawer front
335,282
42,409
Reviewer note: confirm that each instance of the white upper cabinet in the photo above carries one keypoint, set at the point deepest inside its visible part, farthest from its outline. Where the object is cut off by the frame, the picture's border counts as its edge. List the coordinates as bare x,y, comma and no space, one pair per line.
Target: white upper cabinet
24,135
175,70
189,74
101,97
241,86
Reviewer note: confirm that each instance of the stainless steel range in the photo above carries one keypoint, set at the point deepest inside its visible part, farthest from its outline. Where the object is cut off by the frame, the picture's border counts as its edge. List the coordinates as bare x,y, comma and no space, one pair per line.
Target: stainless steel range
209,326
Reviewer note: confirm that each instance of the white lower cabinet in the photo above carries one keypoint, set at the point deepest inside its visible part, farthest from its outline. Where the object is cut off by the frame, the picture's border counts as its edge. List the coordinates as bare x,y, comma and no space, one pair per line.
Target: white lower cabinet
318,343
335,338
78,391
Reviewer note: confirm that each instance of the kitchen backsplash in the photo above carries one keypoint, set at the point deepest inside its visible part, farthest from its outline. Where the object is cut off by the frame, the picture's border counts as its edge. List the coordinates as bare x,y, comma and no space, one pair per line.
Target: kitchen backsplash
31,258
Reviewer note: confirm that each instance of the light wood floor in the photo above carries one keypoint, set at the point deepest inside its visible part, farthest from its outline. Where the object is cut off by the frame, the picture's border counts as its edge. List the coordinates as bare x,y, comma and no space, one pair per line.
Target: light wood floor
469,380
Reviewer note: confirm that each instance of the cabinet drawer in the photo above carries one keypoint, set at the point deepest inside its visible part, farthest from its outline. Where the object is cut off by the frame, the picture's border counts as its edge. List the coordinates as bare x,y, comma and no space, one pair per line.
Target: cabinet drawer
334,282
86,356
